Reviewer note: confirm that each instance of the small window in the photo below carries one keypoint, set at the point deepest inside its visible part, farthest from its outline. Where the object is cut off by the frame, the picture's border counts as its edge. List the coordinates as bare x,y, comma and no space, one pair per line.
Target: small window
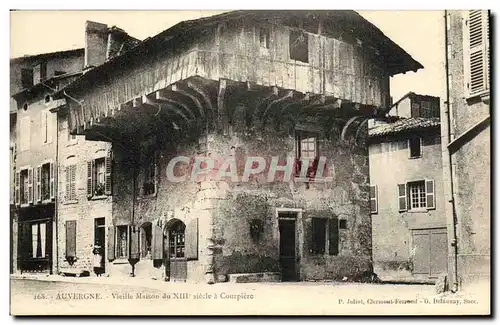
100,176
343,224
307,148
299,46
264,38
319,235
373,199
417,195
177,239
45,182
149,174
39,240
47,98
122,242
25,186
415,145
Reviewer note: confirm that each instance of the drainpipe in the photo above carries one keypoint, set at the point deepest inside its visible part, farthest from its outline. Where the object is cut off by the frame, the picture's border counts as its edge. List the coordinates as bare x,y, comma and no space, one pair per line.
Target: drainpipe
447,135
56,196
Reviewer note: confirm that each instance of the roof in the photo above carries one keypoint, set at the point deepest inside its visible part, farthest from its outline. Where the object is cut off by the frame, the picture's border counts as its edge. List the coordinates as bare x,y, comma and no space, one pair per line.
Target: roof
411,94
401,125
51,54
400,60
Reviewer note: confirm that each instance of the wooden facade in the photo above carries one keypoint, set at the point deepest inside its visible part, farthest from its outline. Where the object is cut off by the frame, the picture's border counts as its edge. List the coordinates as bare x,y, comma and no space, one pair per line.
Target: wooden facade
339,66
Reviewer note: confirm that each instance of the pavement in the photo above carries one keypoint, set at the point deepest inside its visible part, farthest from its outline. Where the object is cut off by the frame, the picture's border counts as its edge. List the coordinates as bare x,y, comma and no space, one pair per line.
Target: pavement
58,295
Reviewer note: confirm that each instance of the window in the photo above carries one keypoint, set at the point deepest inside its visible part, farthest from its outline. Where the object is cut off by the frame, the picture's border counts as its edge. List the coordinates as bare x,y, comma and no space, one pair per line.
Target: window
26,77
319,235
38,240
477,52
307,148
343,224
24,133
122,242
417,195
373,199
320,240
26,186
99,176
176,240
149,172
44,182
47,126
415,145
39,73
264,38
146,238
70,181
299,47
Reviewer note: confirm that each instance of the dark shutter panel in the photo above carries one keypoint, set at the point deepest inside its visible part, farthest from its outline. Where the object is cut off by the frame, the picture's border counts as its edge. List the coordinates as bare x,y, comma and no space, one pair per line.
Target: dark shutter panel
157,244
373,199
477,57
333,234
308,234
108,164
38,174
430,194
30,185
17,193
90,178
111,243
70,238
192,240
134,242
402,197
67,192
26,78
52,185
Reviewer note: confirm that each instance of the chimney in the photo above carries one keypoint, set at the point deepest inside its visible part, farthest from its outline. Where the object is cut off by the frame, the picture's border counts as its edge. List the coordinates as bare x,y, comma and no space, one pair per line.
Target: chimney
96,42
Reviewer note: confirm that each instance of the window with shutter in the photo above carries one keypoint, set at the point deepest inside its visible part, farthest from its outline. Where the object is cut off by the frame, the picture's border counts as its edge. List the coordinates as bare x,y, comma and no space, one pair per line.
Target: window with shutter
402,197
38,176
70,238
122,233
52,182
30,186
73,182
111,243
90,178
373,198
430,194
107,177
17,190
67,183
477,51
70,180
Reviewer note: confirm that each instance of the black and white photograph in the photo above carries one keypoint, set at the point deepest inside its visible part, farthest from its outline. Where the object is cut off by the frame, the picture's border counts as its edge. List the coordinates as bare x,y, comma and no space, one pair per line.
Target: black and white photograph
250,162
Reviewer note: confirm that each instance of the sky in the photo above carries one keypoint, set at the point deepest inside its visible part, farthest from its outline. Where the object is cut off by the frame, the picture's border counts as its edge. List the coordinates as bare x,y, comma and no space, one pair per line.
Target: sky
417,32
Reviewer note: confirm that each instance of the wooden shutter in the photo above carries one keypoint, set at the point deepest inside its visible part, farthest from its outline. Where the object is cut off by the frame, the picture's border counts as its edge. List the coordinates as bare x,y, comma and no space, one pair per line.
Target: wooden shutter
17,190
402,197
30,185
111,243
108,165
430,194
67,180
373,199
192,240
134,252
477,52
72,182
52,184
70,238
90,178
333,236
157,244
26,77
38,188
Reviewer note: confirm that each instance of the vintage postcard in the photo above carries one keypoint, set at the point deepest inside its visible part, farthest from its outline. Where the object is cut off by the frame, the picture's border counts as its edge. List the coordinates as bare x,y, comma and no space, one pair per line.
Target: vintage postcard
250,162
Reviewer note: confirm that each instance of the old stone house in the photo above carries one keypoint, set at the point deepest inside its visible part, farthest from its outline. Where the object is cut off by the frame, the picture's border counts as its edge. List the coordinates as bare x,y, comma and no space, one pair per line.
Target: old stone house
466,124
407,197
264,90
51,204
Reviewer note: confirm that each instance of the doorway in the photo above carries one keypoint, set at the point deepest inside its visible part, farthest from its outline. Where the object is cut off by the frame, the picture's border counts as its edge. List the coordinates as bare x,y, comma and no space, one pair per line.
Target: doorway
100,239
176,251
288,251
430,252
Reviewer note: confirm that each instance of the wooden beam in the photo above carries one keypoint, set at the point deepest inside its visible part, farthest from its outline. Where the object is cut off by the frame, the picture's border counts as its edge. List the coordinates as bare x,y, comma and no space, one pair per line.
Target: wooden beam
172,108
346,126
195,100
161,97
202,93
288,95
221,111
360,127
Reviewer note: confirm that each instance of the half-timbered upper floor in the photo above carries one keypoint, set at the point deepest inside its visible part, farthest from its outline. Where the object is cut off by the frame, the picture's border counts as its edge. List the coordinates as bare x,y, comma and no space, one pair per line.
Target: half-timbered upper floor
324,59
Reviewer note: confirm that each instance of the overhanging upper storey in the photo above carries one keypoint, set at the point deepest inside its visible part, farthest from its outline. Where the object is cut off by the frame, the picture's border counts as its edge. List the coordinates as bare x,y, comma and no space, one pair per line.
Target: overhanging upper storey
322,59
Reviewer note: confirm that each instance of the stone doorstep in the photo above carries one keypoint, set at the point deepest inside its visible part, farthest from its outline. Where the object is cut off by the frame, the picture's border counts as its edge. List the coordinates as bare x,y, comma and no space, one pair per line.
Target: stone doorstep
255,277
78,272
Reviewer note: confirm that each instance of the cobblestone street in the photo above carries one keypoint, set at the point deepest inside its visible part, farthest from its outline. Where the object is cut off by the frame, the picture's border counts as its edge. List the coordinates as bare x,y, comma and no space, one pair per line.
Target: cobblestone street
54,295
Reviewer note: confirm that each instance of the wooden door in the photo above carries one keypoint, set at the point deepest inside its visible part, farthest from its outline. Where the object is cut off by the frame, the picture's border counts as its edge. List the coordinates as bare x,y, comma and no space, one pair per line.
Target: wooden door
177,253
430,252
287,250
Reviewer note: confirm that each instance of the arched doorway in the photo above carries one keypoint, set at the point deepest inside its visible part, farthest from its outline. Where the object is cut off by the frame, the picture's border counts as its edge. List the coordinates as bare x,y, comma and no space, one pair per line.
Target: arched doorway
176,250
